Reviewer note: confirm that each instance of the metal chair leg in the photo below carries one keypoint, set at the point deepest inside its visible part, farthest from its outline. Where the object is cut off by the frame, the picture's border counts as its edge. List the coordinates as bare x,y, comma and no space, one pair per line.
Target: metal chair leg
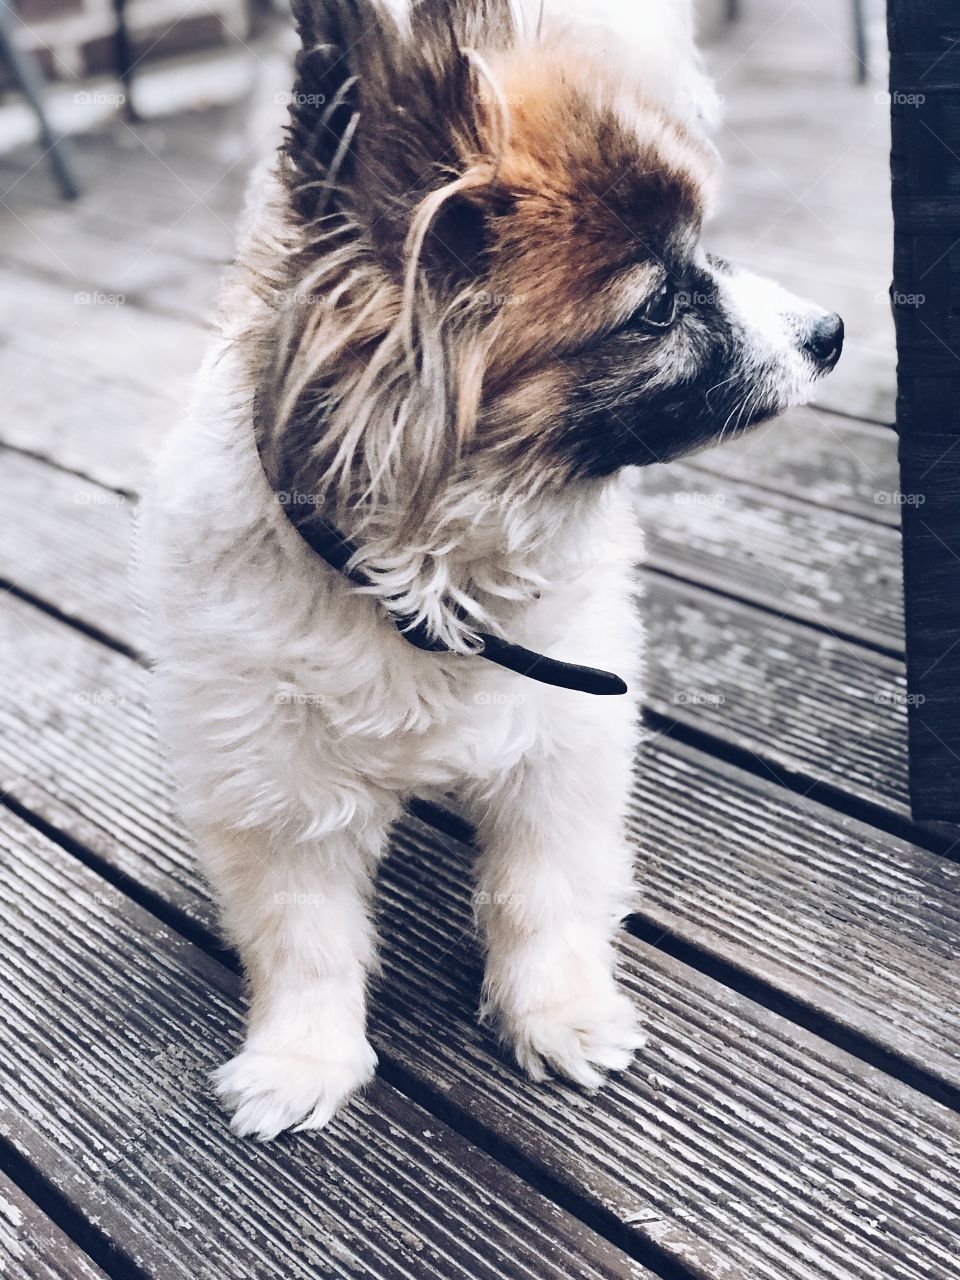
27,76
123,52
860,38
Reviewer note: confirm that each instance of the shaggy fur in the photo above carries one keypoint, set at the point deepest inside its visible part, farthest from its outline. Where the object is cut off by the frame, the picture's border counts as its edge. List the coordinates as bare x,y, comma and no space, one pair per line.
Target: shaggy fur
472,294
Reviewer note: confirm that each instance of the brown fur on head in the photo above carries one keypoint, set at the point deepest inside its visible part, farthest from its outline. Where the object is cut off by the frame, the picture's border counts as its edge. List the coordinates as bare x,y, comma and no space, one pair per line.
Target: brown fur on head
493,279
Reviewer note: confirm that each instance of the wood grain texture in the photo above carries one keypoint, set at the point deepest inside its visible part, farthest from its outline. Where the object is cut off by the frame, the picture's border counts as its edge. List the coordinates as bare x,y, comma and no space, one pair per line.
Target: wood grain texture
100,425
826,568
157,218
113,1025
738,1144
926,179
735,866
818,458
121,376
39,317
99,258
34,1248
77,746
70,542
819,710
170,164
848,920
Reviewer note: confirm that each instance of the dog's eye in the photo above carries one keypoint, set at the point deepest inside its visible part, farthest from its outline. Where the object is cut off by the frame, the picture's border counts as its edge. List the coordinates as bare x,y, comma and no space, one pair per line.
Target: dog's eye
660,309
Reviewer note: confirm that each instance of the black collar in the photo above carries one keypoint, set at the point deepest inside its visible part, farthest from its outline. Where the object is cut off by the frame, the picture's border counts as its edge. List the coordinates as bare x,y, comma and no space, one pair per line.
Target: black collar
338,551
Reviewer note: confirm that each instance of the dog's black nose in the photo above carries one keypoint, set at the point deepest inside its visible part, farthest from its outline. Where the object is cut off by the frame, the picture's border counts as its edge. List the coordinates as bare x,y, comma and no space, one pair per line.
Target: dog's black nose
825,341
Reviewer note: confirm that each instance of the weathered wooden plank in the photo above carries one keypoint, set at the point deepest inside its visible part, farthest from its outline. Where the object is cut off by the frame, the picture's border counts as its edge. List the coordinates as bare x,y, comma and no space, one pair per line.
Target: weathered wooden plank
816,457
34,1248
823,566
152,164
44,318
121,374
849,920
82,569
136,230
65,699
77,748
112,1023
97,259
108,426
98,425
155,218
835,571
817,709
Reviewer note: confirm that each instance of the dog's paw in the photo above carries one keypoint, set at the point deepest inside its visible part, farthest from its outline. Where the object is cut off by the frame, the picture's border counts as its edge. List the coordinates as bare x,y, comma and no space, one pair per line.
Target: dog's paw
268,1092
576,1041
569,1018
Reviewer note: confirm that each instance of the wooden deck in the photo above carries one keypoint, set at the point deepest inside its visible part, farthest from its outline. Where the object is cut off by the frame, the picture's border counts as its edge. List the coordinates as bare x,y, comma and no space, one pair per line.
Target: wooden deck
794,1115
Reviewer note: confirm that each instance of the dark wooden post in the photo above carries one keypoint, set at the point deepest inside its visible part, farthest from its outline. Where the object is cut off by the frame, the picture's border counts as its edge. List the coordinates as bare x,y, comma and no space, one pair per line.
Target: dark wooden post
925,102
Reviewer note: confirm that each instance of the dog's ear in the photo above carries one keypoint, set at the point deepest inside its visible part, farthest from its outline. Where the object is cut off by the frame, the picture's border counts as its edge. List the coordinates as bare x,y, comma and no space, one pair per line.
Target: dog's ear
338,38
390,167
384,115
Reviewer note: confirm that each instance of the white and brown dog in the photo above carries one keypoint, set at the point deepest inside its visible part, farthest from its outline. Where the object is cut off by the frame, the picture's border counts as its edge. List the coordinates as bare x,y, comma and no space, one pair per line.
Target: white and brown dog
472,294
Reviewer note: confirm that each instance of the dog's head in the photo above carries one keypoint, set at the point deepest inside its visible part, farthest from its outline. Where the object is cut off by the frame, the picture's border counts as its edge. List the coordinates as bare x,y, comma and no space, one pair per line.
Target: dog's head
495,269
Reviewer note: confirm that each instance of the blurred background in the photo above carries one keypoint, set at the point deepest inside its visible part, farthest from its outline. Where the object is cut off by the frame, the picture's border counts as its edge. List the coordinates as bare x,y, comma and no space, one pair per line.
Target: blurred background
165,105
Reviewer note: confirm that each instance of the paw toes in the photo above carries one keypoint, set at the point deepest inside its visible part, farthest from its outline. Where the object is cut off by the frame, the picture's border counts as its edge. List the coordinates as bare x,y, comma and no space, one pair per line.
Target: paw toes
579,1048
270,1092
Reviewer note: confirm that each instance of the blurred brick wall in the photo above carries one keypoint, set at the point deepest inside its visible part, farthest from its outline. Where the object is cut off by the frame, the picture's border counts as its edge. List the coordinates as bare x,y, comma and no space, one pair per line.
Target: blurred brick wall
72,38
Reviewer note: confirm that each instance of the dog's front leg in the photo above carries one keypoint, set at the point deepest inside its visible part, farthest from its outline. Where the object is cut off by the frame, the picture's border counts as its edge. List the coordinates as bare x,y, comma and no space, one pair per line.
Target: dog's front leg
297,913
555,880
